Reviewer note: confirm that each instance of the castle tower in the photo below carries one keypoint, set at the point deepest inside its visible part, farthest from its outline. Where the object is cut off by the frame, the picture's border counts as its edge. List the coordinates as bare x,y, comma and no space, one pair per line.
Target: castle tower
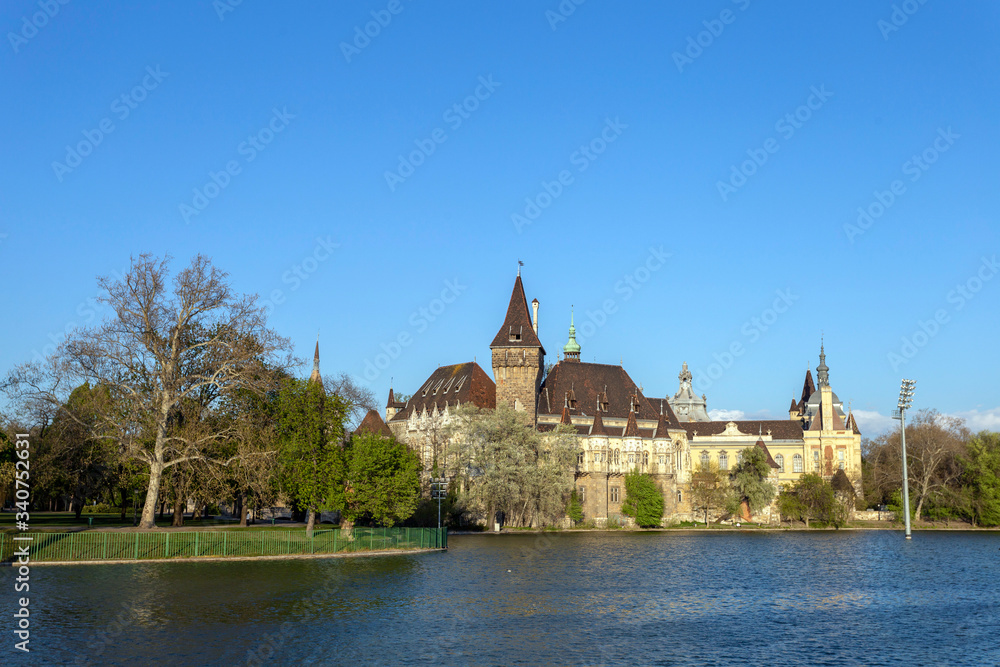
518,356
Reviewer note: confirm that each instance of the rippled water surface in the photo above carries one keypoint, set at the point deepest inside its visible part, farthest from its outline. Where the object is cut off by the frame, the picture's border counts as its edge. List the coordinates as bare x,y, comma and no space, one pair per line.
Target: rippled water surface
822,598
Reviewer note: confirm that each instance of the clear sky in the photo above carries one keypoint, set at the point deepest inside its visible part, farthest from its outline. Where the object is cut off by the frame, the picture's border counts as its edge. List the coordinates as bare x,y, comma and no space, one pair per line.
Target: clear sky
715,156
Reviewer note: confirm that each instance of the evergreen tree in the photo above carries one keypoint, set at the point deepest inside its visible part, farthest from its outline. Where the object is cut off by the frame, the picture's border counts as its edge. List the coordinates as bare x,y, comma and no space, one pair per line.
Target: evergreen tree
310,432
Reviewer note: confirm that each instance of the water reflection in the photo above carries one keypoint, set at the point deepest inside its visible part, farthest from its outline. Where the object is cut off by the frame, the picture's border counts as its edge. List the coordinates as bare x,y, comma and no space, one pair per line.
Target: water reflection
590,598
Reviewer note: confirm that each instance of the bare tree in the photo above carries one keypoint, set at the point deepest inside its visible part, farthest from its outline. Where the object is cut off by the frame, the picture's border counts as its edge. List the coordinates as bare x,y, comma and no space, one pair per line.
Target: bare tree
933,444
166,358
361,399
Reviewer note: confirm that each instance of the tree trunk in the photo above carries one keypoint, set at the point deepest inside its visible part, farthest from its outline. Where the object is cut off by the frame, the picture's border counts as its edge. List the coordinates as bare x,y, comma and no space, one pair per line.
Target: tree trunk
178,511
243,512
124,493
163,508
148,520
196,514
311,522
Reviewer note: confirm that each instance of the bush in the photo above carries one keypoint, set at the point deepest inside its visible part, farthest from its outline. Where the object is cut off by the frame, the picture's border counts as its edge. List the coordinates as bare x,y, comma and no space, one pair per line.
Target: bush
101,508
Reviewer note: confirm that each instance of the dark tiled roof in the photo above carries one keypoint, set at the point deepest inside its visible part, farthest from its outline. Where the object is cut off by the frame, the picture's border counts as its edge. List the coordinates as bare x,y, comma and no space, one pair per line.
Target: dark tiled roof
817,421
587,382
794,406
451,385
393,403
780,429
372,423
770,460
517,323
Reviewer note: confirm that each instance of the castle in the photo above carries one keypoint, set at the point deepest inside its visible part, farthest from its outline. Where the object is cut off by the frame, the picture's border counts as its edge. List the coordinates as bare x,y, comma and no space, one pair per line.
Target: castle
619,428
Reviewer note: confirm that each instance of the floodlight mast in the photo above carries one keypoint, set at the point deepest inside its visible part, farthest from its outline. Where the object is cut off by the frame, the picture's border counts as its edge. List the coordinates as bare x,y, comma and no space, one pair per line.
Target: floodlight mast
905,401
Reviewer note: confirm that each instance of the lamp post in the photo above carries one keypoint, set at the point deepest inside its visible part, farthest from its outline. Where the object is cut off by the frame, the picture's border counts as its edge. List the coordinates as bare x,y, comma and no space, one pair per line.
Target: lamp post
905,400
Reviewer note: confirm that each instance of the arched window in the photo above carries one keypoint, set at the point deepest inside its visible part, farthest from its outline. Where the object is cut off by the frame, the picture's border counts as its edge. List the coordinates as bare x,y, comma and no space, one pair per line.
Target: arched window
780,460
631,458
579,458
680,498
645,460
840,458
704,459
618,457
723,461
797,463
816,460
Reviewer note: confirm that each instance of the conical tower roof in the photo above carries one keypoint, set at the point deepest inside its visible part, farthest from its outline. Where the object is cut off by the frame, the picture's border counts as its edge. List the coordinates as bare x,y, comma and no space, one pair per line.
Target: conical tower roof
598,427
517,329
315,375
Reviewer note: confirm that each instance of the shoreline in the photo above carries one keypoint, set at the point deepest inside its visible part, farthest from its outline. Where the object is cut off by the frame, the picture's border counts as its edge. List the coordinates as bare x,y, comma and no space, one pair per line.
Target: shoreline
215,559
727,529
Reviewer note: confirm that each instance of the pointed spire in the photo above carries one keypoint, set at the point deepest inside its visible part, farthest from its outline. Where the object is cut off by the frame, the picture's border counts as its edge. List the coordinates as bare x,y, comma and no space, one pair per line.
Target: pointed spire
572,348
852,424
661,425
315,376
631,427
822,371
565,419
517,329
598,427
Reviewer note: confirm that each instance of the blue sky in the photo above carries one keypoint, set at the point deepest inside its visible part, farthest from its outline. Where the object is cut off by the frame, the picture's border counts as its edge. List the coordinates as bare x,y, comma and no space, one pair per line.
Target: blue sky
356,179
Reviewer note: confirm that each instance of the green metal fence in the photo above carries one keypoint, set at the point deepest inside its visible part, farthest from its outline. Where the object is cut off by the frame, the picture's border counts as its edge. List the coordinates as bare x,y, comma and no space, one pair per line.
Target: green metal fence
83,546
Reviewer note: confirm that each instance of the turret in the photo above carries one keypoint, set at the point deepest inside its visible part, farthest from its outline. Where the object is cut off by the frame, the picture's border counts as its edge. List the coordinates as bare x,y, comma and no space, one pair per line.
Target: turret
572,348
518,356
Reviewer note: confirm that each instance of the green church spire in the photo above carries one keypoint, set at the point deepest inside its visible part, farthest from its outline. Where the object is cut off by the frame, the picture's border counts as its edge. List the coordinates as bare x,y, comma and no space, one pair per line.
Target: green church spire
572,348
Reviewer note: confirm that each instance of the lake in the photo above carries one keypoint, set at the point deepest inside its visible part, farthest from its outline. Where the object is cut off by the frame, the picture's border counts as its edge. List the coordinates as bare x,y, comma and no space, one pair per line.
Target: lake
675,598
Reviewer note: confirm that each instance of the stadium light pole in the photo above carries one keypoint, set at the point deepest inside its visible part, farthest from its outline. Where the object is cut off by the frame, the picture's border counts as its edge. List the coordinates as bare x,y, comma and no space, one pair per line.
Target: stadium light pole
905,400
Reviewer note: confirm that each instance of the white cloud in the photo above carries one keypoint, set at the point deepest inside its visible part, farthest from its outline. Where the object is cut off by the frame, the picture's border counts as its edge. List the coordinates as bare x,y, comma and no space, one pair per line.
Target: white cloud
980,420
872,423
726,415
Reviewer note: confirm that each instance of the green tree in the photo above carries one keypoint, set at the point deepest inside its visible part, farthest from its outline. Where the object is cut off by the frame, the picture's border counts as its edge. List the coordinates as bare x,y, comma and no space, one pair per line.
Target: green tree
383,479
310,432
791,506
508,466
165,349
748,480
709,487
643,500
816,497
843,499
981,479
574,509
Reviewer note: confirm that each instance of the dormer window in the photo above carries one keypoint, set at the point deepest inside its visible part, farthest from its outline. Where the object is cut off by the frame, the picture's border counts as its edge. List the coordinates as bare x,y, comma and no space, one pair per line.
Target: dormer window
515,336
437,386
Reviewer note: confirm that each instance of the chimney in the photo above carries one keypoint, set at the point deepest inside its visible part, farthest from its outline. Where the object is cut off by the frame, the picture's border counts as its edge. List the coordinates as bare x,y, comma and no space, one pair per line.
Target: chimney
534,315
